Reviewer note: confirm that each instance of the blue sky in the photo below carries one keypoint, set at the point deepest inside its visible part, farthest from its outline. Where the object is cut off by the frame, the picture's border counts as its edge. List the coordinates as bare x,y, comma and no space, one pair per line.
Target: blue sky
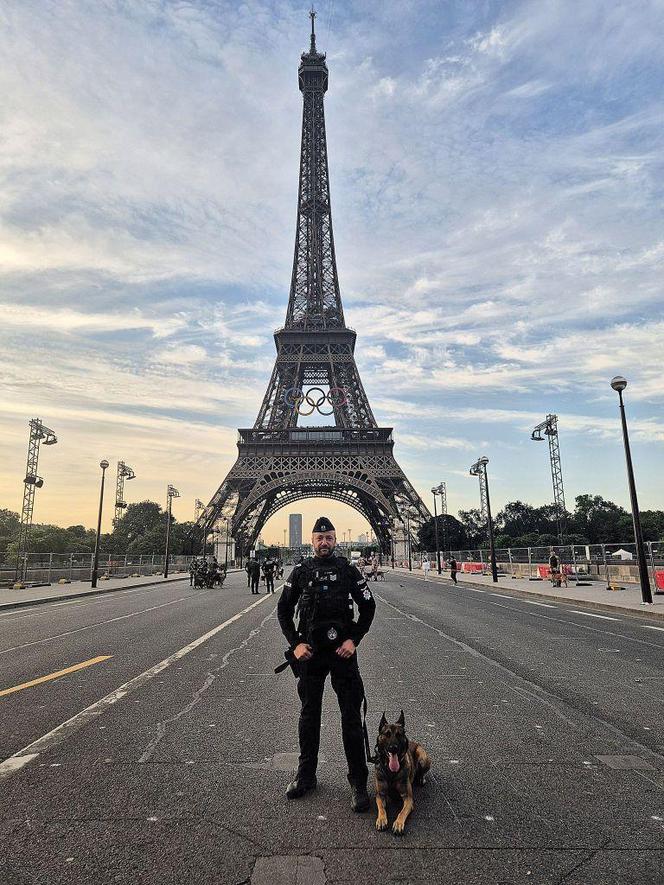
496,174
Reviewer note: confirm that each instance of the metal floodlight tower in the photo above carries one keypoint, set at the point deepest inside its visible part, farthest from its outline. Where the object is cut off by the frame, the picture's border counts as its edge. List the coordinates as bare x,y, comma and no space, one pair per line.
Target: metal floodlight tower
171,493
199,506
125,472
479,469
39,433
549,427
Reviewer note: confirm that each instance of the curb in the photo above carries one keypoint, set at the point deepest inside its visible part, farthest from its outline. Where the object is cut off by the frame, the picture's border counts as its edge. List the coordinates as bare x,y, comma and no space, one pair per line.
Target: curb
645,612
25,602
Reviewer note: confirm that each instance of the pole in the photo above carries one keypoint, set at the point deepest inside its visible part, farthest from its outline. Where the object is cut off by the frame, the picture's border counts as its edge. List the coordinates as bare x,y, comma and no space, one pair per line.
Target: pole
95,564
435,526
168,533
644,578
226,559
410,560
492,546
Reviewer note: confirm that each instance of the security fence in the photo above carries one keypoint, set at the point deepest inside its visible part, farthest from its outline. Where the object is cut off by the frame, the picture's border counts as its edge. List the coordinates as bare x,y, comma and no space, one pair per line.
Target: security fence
595,562
51,567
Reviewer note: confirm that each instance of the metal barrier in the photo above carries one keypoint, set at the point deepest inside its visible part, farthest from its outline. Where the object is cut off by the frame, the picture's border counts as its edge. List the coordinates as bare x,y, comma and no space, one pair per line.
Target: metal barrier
611,563
49,568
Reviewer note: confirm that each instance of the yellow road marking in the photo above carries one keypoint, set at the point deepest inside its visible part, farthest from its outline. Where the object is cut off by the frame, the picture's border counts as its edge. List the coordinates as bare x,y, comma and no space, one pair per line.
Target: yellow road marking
55,675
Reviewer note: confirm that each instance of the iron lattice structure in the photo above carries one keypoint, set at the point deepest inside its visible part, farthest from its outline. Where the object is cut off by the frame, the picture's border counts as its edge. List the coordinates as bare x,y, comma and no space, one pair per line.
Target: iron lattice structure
125,472
479,469
549,427
350,460
38,433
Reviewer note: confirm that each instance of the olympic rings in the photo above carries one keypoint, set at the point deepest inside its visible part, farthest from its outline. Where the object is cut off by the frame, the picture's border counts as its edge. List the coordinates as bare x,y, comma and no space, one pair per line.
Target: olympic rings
295,398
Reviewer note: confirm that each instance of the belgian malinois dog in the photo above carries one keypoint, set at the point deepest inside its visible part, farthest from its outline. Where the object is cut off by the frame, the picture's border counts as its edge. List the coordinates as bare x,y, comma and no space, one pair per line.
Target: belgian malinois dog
400,763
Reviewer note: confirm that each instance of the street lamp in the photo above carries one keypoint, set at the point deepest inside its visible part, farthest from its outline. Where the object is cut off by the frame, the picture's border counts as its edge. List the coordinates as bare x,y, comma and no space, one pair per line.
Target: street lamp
442,491
95,565
479,469
410,559
227,521
171,493
619,384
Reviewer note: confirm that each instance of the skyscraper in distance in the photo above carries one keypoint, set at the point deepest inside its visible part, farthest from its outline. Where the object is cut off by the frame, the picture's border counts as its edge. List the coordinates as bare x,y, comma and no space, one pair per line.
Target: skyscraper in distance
295,530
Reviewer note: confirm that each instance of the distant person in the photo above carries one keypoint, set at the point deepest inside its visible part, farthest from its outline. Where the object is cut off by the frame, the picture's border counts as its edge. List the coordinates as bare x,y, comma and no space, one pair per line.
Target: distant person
192,570
374,567
255,575
269,568
426,565
554,568
247,569
454,568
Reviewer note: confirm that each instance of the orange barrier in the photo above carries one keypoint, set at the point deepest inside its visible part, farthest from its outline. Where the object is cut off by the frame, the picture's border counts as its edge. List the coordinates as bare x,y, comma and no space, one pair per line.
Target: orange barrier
659,580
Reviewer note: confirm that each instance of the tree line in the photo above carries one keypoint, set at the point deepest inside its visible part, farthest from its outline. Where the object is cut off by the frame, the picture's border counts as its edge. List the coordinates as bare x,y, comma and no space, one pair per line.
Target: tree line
141,530
594,521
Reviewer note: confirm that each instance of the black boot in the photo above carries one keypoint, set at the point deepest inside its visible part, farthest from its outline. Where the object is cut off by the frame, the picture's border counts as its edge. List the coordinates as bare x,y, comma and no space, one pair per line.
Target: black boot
359,797
300,785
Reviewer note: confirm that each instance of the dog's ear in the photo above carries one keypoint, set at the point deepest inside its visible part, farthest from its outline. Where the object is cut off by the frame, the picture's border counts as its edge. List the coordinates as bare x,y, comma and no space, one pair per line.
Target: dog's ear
382,723
401,720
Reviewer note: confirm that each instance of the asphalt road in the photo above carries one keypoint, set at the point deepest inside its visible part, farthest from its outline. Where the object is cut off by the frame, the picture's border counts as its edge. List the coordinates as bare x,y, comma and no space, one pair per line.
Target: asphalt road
164,756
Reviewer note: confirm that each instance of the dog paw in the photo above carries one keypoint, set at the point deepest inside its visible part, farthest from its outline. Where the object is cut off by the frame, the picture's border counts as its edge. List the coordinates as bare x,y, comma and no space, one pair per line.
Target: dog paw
381,823
398,827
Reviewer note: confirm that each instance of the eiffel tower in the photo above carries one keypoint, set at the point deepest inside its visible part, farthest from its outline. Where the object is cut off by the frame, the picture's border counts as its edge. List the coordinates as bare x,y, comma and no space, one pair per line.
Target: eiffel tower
351,460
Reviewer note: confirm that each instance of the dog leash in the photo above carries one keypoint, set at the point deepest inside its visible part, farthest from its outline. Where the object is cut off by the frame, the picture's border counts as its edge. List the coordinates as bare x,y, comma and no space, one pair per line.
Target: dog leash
371,759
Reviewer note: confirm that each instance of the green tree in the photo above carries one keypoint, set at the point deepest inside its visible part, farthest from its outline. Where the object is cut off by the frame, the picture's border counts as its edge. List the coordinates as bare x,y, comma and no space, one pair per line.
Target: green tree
601,521
474,526
451,534
10,522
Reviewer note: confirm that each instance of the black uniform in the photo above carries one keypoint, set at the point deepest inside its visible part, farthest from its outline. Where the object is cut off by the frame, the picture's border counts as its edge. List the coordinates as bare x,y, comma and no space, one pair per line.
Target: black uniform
269,568
254,568
324,589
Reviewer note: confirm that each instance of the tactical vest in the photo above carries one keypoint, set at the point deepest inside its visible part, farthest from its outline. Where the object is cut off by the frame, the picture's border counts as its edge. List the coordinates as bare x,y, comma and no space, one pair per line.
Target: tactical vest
325,606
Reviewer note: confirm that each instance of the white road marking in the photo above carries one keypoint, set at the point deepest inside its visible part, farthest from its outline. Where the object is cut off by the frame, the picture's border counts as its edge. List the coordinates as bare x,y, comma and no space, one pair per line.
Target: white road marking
502,596
90,626
649,627
475,590
61,732
543,604
592,615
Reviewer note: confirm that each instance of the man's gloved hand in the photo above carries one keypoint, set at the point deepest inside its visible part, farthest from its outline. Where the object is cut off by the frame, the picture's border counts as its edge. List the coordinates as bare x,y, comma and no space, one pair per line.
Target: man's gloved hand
346,649
303,651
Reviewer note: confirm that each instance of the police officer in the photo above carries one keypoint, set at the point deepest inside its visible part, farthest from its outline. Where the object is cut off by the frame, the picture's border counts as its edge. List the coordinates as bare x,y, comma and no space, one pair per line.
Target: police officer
269,567
325,641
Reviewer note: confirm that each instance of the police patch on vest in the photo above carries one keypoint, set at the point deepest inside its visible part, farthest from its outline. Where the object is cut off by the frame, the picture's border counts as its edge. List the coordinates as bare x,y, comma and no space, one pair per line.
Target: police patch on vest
367,594
332,634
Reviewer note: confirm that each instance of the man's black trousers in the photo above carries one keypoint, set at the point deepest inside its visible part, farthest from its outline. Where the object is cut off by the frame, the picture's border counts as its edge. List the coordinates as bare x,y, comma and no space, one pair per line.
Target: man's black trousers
254,583
347,685
269,583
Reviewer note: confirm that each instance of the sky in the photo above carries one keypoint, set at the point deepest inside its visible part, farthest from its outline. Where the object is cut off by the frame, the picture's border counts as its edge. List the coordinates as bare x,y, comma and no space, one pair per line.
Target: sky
496,174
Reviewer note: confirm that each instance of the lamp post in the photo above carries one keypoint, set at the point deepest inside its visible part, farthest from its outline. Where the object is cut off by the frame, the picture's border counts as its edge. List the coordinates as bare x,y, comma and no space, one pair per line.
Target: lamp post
227,521
619,384
442,491
171,493
479,469
95,565
410,560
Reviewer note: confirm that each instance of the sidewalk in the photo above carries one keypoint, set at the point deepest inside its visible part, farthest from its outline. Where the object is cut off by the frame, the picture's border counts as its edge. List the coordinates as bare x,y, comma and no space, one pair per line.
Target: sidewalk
596,596
56,592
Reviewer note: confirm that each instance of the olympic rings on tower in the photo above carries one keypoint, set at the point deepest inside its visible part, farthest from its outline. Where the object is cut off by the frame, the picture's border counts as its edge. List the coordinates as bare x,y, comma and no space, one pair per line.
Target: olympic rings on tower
295,398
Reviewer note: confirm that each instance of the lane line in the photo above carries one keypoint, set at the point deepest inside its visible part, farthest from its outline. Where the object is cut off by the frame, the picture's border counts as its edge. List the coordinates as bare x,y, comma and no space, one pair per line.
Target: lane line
55,675
543,604
573,611
65,729
503,595
649,627
563,609
91,626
